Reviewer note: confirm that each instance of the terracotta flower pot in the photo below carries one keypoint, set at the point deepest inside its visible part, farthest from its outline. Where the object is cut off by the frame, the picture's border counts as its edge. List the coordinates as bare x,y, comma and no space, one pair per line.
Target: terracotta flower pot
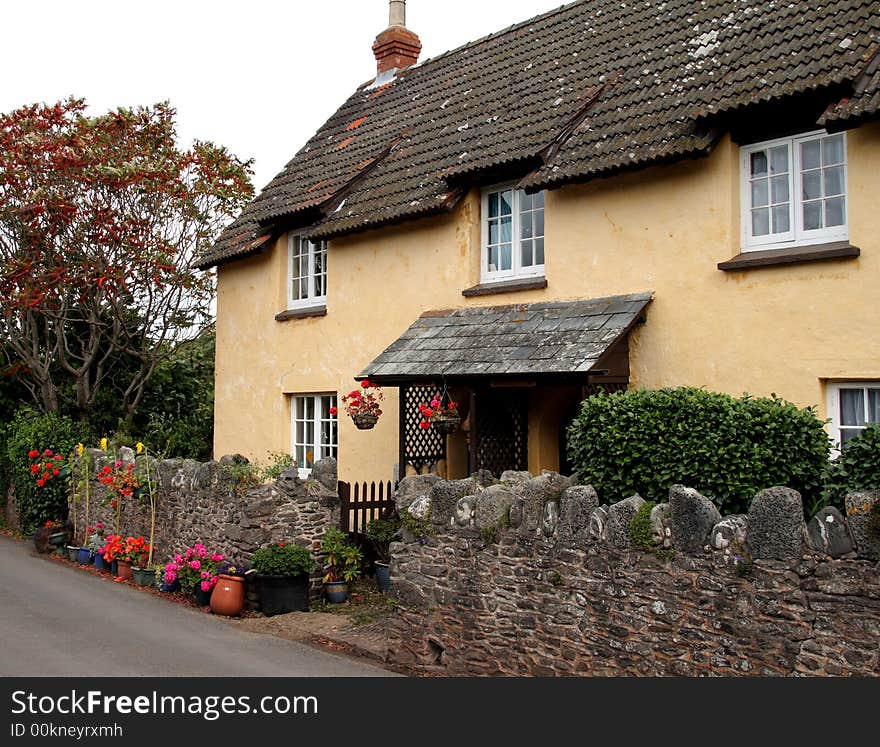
124,569
228,596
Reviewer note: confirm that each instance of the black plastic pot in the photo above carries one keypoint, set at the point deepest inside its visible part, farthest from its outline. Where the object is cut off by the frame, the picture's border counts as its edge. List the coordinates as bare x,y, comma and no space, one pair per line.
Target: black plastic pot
280,594
383,577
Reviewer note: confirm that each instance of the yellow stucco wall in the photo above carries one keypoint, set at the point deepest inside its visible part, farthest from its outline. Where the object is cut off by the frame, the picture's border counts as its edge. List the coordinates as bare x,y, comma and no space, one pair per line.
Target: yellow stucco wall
781,329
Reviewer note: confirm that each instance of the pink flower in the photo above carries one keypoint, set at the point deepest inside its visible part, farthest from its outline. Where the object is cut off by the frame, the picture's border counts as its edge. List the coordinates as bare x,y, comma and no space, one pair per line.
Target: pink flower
171,567
195,564
118,464
216,557
178,559
205,574
100,525
170,577
206,586
202,551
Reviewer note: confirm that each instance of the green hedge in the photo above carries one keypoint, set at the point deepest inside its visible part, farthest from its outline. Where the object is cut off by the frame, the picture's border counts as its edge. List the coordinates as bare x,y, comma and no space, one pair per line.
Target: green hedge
28,430
644,441
857,467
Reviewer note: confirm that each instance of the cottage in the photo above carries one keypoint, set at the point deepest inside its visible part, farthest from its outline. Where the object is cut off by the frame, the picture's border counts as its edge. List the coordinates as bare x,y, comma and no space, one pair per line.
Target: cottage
607,195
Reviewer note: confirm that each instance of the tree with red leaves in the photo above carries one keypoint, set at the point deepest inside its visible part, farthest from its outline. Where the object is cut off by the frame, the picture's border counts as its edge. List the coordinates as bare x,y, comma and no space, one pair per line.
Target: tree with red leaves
100,220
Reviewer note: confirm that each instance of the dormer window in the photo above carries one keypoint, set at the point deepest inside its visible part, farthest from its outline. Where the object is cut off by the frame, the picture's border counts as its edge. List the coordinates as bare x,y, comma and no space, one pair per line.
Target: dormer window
794,191
513,234
307,273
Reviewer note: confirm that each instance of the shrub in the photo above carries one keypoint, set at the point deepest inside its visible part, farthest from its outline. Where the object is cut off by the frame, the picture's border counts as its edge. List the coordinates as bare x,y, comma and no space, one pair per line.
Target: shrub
381,533
645,441
28,431
857,467
283,559
343,560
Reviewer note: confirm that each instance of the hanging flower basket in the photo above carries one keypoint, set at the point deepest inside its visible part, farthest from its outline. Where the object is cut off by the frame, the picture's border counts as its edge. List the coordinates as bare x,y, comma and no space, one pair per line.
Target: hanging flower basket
364,420
446,424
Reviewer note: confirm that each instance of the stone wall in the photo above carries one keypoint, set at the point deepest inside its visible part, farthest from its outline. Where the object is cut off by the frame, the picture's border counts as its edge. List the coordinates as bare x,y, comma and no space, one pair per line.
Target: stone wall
531,576
202,502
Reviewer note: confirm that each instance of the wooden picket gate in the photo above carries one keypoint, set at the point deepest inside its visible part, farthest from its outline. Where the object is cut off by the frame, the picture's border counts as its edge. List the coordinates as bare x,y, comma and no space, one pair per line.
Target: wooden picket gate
362,502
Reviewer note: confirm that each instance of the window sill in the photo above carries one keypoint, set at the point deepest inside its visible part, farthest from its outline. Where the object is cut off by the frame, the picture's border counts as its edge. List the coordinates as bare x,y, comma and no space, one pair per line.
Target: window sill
792,255
505,286
304,313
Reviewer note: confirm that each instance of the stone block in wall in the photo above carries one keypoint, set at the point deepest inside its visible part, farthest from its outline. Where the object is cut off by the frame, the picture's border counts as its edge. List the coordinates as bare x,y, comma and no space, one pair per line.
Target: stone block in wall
692,517
864,527
729,533
661,525
445,494
463,514
776,524
575,506
828,533
515,480
550,520
493,506
412,487
326,473
620,515
597,524
536,493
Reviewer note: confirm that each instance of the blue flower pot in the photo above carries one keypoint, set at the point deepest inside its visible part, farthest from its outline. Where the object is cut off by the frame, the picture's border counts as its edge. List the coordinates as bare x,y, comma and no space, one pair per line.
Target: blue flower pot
383,577
84,557
114,568
99,561
337,591
170,588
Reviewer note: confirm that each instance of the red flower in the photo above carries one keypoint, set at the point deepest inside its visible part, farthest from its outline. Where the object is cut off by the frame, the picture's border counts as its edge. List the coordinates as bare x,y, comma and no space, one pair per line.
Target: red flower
56,472
365,384
280,544
48,452
33,454
41,482
334,412
35,468
424,425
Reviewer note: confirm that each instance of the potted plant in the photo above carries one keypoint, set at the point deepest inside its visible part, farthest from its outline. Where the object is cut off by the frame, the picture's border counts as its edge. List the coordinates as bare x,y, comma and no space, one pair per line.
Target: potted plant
362,406
443,418
282,572
112,550
136,552
342,565
381,532
195,570
227,598
95,543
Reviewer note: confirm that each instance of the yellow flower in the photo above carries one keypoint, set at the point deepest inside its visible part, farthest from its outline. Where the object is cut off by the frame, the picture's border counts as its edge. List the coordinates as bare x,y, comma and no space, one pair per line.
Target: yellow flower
103,444
80,449
139,447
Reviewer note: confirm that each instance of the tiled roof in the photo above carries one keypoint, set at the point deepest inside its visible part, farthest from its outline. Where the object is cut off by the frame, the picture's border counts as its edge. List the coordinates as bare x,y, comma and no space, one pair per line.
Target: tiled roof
591,88
529,339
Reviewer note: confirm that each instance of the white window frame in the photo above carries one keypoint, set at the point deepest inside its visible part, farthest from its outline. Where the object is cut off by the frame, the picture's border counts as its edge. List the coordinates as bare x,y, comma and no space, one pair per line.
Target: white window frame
516,271
832,403
319,449
312,299
797,235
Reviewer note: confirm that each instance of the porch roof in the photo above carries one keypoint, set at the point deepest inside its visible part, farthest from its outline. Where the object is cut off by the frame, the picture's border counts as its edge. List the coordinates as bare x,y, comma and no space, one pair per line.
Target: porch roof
561,337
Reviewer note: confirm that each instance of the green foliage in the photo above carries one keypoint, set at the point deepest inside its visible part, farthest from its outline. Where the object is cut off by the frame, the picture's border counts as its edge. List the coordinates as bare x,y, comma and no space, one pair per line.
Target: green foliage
420,528
645,441
343,559
245,475
857,467
381,533
31,430
556,578
283,559
489,534
640,532
278,464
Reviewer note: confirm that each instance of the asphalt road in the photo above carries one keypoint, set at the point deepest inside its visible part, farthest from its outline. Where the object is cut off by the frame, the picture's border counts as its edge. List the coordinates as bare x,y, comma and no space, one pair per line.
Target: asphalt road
59,621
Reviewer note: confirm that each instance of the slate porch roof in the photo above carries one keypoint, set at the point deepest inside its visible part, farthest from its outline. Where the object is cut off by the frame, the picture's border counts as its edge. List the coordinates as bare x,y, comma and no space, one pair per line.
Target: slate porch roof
588,89
527,339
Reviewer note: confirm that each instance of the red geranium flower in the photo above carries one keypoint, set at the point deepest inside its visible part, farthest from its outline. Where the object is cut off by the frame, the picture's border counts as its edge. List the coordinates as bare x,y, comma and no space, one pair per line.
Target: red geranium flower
33,454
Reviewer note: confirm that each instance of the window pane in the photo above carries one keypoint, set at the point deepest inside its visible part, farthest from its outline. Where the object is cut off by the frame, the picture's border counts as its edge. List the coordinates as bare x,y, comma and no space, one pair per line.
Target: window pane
848,433
810,152
493,205
874,405
833,181
811,182
300,432
760,193
526,253
812,215
759,163
539,251
525,201
526,226
834,211
781,222
301,457
325,408
506,257
779,159
493,232
492,259
852,406
779,189
304,287
832,150
507,202
506,229
760,222
539,223
538,200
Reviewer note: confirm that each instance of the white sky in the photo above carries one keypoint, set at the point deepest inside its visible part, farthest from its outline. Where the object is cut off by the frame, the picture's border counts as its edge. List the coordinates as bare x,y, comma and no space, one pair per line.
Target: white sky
258,76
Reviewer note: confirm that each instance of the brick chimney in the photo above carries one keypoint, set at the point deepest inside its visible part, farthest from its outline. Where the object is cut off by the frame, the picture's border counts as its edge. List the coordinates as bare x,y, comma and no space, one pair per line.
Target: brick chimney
396,47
